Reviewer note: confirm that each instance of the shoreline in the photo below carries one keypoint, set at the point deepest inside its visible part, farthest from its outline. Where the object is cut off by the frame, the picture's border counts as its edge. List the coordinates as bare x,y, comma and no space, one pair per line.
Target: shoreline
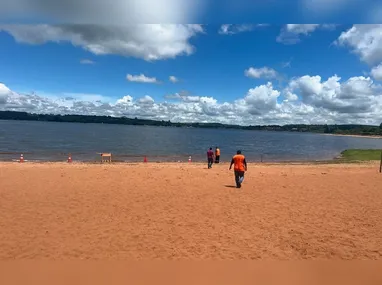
355,136
334,162
338,159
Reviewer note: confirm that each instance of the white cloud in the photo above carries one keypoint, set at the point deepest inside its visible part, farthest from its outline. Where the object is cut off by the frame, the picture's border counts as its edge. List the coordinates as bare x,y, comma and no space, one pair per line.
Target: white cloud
301,28
376,72
146,100
125,100
306,99
191,99
231,29
87,61
224,29
290,33
4,93
357,95
365,40
183,96
146,41
173,79
141,78
261,99
289,96
120,12
263,72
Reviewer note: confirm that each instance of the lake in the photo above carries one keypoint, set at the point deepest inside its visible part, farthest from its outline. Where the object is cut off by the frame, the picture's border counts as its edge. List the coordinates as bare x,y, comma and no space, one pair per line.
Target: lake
50,141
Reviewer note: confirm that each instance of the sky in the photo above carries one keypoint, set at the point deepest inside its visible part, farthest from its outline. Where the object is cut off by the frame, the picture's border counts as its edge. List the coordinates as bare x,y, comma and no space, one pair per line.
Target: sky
84,57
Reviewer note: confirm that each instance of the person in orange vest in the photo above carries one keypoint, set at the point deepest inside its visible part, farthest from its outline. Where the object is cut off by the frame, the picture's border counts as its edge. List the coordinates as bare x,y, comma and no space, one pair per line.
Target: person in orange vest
240,166
217,155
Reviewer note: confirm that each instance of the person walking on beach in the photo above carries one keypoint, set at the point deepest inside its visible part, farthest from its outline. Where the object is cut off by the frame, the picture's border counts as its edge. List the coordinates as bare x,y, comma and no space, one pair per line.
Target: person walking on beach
210,157
240,166
217,155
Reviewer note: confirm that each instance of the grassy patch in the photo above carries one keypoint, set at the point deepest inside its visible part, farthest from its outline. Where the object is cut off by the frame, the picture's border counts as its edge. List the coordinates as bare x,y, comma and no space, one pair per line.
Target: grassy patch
361,154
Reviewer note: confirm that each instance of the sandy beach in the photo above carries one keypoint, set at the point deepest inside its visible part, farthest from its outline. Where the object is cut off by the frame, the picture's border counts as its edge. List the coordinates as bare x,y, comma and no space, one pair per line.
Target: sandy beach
60,211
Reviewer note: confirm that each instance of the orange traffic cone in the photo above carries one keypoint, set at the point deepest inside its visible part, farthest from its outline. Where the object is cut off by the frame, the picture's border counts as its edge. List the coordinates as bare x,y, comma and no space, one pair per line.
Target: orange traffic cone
69,158
145,159
21,158
189,159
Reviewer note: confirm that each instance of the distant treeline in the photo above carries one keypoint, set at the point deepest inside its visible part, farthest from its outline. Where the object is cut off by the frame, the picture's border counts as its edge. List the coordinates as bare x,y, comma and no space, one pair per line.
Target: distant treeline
328,129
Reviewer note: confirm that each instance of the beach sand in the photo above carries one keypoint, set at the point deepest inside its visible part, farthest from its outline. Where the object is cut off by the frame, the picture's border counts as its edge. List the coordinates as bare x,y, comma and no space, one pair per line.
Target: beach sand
57,211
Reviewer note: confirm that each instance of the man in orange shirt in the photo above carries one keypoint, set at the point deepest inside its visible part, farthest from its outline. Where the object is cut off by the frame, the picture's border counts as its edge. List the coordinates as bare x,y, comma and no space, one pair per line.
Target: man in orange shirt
240,166
217,155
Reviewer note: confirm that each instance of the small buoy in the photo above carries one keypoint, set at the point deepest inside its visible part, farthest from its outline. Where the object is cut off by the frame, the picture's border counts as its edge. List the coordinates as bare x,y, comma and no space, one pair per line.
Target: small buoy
189,159
69,159
21,158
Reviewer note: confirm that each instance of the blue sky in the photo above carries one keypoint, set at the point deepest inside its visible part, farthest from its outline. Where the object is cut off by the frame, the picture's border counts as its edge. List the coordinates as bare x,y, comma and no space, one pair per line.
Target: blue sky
215,69
240,73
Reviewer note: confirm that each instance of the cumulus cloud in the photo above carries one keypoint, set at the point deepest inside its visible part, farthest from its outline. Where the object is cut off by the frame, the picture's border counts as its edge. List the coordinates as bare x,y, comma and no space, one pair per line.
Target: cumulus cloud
103,12
173,79
261,99
4,93
357,95
289,96
365,41
141,78
87,61
145,41
263,72
376,72
146,100
306,99
125,100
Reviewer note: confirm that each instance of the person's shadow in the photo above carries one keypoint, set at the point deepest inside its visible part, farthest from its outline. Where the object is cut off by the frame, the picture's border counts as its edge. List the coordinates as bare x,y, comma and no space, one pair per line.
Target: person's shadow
230,186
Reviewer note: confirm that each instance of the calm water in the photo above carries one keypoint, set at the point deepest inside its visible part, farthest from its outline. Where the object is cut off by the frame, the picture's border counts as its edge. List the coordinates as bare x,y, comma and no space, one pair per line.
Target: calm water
53,141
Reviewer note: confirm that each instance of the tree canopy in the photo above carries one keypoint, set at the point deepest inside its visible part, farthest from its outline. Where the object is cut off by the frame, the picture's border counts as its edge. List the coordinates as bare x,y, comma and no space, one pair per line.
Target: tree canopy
350,129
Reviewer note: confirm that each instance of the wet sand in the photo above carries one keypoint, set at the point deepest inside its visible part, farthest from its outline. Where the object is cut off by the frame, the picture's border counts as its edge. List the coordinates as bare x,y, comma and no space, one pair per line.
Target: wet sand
58,211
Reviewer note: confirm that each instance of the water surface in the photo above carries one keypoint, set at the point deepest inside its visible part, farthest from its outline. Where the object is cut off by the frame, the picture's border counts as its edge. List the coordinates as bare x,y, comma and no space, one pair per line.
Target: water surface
53,141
